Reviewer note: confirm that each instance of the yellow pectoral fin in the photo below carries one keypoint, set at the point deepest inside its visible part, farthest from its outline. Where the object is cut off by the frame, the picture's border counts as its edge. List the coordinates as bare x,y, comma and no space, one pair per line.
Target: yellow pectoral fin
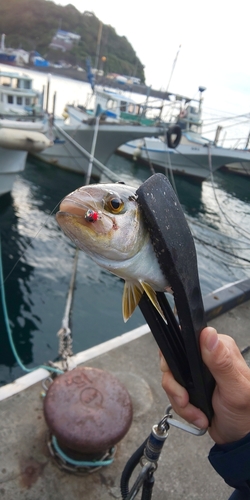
131,297
152,296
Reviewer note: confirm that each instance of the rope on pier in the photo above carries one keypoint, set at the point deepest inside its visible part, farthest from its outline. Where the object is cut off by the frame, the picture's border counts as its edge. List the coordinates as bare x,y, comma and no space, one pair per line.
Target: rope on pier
64,334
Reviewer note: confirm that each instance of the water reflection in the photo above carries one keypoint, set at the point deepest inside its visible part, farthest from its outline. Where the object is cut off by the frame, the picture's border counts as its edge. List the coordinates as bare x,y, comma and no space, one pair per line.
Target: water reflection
236,185
23,328
49,184
36,290
37,287
31,244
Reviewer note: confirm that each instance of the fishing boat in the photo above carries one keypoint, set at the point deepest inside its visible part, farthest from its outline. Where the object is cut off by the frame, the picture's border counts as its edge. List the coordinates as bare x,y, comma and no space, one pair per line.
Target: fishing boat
17,139
195,156
240,168
18,98
85,132
23,126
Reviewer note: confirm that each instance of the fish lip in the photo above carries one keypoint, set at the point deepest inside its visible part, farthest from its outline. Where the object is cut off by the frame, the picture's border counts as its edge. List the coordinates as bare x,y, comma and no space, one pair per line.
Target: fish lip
69,214
64,215
71,207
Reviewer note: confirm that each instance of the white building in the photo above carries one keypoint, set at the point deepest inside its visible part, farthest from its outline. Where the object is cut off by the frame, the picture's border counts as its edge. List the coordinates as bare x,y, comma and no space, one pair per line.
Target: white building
64,40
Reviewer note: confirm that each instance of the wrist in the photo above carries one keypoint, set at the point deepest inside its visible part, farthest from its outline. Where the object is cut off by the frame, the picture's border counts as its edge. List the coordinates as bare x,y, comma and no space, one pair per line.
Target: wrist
223,434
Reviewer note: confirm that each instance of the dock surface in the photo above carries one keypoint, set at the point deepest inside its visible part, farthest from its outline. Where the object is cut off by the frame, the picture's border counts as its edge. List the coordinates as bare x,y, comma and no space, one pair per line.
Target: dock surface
28,472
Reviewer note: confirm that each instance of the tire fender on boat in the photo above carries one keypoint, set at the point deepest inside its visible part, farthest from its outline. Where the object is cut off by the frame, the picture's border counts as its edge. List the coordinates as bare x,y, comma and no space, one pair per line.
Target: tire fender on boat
176,131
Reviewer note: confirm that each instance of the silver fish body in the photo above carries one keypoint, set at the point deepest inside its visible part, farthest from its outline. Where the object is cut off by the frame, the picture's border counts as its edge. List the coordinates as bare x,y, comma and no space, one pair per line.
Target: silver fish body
104,220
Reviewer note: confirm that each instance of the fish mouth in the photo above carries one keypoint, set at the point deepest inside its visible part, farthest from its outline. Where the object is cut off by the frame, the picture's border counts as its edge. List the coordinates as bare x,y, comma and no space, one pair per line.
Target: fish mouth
70,207
70,210
74,213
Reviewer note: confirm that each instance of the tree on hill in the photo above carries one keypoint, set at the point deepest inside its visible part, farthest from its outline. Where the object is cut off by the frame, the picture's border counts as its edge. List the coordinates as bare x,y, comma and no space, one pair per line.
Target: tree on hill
31,25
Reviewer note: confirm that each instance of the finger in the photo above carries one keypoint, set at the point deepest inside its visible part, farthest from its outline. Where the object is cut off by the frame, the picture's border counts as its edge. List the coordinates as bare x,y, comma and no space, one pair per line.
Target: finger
191,414
222,357
163,364
179,398
174,389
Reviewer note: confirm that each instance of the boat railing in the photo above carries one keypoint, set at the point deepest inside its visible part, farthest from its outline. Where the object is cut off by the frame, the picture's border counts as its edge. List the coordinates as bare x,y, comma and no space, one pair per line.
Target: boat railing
140,119
23,118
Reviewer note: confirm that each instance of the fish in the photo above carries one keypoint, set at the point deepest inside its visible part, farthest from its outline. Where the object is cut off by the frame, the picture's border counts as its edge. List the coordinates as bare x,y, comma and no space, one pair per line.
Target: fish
106,222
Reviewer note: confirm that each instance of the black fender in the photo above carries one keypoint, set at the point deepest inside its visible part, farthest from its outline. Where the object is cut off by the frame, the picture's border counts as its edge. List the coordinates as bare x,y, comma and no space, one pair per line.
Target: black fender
175,130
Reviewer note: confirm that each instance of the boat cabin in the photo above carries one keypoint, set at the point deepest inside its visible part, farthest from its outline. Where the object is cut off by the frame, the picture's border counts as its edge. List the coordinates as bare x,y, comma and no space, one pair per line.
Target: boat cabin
17,95
119,107
189,118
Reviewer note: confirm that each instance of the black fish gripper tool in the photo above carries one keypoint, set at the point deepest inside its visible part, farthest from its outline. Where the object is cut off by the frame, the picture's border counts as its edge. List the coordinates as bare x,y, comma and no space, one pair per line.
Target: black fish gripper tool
175,251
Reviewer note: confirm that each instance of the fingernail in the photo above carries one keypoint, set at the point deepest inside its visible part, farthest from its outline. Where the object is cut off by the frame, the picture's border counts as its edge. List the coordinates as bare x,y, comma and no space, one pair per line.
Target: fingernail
212,339
200,422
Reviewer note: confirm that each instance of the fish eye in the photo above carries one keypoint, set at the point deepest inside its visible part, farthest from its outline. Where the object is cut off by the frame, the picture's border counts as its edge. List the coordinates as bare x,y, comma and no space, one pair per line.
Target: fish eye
114,204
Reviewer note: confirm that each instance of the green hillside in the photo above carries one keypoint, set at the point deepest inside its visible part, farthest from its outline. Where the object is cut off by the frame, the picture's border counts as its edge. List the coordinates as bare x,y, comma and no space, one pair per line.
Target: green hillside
31,25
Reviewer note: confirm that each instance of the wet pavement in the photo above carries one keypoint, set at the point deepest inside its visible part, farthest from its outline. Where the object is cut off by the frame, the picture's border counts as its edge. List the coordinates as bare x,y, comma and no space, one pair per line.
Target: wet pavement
28,472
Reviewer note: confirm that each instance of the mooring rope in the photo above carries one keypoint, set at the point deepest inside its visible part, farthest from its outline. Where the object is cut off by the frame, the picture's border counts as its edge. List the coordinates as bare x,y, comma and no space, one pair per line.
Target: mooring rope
9,332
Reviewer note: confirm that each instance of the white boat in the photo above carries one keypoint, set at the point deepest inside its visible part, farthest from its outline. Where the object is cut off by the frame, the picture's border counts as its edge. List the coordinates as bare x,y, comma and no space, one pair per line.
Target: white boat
195,156
15,144
11,163
22,126
115,120
240,168
18,98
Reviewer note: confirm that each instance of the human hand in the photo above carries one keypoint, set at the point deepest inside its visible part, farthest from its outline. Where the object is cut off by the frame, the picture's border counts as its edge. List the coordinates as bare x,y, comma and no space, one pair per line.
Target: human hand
231,397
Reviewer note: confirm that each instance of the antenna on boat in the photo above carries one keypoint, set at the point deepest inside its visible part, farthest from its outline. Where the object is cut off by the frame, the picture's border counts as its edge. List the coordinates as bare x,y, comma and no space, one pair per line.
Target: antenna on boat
48,92
201,90
173,67
170,78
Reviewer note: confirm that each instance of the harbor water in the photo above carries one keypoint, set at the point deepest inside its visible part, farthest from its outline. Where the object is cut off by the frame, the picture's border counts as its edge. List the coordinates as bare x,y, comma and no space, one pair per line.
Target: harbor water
37,257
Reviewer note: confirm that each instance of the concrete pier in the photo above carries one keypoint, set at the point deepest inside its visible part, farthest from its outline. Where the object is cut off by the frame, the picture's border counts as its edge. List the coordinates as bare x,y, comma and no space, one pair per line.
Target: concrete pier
27,471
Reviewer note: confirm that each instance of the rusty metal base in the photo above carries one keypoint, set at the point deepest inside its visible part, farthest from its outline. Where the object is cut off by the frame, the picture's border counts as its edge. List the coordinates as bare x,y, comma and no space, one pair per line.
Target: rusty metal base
78,467
88,411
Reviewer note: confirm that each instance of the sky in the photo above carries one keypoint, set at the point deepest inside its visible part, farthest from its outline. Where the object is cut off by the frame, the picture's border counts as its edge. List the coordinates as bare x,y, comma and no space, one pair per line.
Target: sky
214,38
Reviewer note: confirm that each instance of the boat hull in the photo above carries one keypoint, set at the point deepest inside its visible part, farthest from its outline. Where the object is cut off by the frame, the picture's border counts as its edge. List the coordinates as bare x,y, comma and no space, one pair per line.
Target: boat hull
65,155
190,160
11,163
240,168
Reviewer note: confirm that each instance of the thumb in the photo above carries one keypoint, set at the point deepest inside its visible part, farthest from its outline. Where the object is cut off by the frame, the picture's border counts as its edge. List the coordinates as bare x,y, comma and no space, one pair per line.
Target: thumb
216,354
